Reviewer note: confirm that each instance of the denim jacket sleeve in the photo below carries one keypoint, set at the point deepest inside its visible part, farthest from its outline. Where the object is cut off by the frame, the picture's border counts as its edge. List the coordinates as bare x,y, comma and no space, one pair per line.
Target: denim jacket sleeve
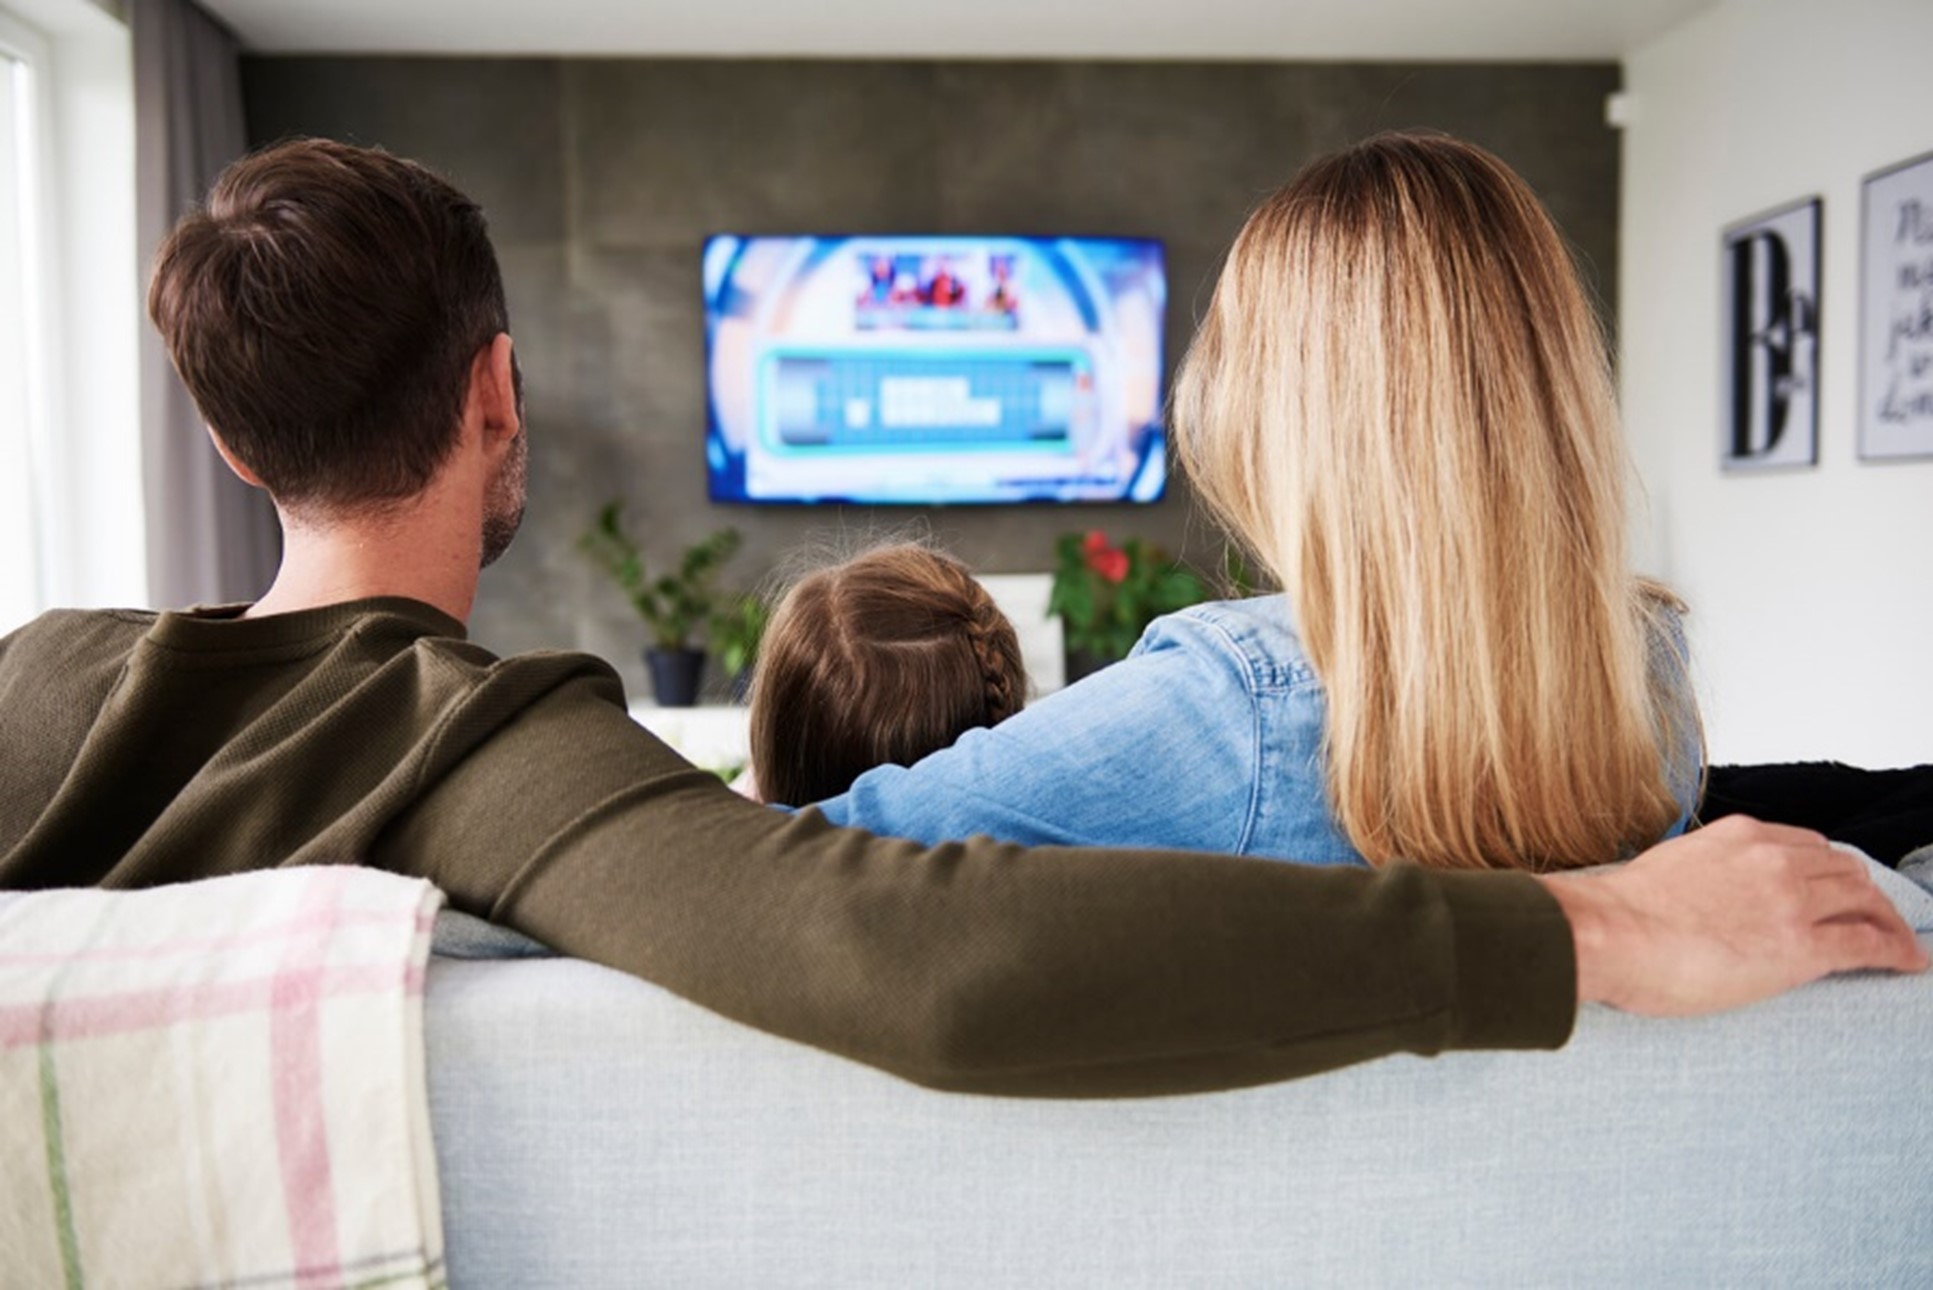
1670,667
1158,750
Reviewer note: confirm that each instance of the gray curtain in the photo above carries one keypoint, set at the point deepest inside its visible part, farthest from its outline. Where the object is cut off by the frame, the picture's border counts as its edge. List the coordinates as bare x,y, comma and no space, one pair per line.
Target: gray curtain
211,538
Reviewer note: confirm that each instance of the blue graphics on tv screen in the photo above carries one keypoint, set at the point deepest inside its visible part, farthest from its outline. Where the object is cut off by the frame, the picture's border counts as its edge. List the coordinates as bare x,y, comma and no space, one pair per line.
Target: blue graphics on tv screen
934,369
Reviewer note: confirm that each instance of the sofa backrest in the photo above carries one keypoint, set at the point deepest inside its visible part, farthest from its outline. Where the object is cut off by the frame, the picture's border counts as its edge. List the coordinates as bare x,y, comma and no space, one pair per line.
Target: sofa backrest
594,1130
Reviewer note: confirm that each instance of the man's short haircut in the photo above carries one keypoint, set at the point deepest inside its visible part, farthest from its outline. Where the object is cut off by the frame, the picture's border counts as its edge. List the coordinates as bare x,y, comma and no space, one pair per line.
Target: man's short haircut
324,309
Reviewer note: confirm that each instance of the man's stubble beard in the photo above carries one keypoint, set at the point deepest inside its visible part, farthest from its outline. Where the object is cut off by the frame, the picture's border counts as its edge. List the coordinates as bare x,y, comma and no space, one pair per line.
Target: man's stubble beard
503,506
503,502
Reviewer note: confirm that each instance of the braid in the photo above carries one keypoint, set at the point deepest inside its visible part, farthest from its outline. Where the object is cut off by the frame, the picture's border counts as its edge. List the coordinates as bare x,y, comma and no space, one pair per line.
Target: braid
997,649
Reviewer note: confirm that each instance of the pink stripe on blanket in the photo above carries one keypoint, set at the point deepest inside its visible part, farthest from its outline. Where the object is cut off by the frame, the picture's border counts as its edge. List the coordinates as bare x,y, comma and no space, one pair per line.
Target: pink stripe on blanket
295,1067
262,936
93,1016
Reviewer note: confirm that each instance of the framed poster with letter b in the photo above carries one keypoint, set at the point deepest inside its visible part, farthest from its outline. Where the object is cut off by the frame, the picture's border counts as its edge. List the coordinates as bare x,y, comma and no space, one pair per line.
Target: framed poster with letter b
1896,312
1770,356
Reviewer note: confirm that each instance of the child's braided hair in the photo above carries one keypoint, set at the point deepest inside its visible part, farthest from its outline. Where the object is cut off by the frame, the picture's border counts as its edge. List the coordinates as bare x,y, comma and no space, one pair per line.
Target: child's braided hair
886,657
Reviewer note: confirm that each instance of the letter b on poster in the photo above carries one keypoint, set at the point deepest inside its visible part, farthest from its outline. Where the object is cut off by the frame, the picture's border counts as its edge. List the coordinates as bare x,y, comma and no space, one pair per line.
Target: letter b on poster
1769,383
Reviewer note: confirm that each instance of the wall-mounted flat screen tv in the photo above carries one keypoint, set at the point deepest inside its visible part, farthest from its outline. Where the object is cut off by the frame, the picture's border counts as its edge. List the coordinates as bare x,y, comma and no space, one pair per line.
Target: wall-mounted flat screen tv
932,370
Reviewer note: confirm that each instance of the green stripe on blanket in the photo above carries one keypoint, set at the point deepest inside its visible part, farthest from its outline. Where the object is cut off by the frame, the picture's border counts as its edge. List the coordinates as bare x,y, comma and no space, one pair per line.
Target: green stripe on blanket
70,1250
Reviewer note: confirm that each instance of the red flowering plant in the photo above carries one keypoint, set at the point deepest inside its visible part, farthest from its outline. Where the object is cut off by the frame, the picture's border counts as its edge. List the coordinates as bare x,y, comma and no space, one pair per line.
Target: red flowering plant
1106,595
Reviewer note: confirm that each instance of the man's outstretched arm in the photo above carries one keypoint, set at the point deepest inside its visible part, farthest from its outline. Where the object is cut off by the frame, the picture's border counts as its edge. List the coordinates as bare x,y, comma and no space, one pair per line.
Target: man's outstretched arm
981,967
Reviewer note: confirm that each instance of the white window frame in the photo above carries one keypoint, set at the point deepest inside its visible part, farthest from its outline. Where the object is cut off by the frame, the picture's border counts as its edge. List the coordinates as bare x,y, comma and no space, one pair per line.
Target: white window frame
83,438
31,413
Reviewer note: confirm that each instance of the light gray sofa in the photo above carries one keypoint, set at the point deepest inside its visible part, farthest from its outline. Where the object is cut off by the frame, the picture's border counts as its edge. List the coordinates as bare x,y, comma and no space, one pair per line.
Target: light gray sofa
593,1130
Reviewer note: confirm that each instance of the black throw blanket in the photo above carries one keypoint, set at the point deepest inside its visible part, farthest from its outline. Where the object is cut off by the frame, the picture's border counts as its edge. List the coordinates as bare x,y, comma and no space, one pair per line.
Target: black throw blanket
1885,813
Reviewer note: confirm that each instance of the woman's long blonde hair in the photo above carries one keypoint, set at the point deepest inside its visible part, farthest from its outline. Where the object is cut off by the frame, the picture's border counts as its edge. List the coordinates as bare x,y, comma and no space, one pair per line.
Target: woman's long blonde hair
1401,402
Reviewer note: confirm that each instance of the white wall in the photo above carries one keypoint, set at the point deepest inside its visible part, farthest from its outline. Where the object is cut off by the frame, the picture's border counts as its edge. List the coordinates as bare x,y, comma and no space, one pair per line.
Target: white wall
1811,589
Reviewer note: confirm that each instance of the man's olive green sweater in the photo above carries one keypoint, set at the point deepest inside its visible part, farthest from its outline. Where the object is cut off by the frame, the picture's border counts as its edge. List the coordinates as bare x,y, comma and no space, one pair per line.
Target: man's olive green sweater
141,749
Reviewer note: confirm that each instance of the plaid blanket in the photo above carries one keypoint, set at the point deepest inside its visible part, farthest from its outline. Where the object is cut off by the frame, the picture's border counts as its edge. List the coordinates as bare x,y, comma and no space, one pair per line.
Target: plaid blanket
218,1084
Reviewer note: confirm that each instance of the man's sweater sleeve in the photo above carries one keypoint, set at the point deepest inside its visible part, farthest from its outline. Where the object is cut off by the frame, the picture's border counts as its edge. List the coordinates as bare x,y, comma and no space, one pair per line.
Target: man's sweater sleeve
978,966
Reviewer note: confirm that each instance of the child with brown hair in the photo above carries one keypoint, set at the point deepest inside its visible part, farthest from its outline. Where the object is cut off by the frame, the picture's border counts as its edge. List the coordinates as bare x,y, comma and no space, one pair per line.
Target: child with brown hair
883,658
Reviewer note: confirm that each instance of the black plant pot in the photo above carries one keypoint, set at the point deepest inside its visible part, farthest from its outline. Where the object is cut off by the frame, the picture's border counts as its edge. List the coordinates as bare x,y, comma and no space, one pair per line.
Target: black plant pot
675,675
1083,663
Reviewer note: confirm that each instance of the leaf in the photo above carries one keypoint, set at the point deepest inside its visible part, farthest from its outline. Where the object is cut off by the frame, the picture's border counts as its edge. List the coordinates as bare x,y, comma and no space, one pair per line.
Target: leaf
673,604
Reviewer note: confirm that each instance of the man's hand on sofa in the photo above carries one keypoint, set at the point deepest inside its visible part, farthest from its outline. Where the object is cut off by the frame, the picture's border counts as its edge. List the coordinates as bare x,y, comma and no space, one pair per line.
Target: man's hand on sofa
1727,915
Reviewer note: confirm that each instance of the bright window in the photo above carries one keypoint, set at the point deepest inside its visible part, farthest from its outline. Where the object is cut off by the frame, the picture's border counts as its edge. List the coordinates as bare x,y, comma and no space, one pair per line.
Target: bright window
23,323
71,524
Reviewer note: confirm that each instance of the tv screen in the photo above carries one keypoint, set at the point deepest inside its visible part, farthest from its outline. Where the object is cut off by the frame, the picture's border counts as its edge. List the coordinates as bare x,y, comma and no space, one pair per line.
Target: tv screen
934,369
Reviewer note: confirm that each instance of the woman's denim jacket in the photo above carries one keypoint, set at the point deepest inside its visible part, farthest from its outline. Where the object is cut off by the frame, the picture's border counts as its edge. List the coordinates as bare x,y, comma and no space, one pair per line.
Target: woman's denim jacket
1208,737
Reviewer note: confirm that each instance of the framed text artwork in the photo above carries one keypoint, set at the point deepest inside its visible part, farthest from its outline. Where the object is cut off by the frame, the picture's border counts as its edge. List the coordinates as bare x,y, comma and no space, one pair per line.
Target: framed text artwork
1896,312
1770,350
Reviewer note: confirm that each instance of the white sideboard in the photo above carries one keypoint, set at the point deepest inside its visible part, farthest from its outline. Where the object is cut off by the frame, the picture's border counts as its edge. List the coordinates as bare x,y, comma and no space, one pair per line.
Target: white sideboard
714,737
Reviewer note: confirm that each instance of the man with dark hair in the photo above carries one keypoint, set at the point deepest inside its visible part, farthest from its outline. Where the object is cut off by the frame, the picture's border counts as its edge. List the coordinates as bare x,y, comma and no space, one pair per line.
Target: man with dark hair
342,368
338,317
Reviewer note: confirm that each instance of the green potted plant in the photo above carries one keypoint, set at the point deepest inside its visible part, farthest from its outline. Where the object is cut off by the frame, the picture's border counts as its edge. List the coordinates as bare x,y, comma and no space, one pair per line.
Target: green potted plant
673,605
736,631
1106,595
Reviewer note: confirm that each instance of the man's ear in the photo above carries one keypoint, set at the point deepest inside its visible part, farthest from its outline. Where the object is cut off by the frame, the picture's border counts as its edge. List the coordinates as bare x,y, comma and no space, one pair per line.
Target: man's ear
233,462
493,391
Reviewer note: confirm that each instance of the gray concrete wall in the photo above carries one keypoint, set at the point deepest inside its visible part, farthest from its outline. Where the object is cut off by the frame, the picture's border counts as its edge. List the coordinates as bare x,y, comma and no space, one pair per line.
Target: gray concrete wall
603,177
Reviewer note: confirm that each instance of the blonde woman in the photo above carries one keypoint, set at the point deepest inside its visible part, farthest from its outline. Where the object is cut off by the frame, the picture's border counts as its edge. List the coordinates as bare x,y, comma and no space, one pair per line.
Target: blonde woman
1400,403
